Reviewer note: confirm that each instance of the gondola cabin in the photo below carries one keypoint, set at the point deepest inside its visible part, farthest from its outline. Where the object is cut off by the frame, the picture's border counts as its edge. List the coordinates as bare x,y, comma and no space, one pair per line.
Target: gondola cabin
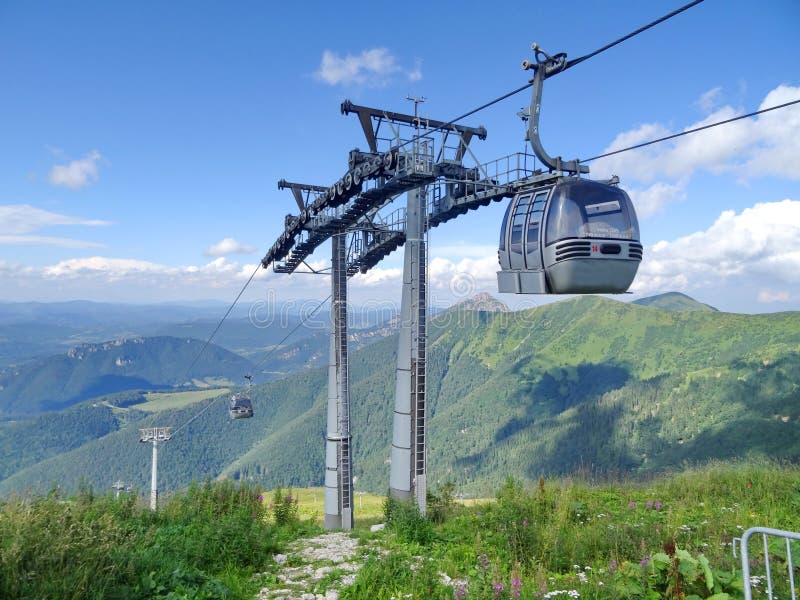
576,236
240,407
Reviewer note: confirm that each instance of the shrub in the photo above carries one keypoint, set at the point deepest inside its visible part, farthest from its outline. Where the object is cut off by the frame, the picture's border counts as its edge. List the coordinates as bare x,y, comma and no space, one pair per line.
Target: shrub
403,517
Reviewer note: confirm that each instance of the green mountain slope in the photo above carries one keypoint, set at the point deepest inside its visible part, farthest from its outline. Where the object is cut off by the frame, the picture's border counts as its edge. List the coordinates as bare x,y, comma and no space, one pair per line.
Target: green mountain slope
91,370
584,384
588,384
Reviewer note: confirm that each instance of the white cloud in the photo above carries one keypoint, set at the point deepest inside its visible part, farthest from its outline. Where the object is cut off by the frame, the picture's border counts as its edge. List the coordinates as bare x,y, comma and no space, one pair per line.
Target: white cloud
767,296
416,73
46,240
374,67
17,221
757,244
78,173
652,200
708,100
229,246
768,144
160,281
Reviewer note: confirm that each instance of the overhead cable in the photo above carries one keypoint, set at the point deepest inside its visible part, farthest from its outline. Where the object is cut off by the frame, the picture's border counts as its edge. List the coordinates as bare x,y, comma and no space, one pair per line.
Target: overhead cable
688,131
572,63
259,363
569,64
296,327
221,321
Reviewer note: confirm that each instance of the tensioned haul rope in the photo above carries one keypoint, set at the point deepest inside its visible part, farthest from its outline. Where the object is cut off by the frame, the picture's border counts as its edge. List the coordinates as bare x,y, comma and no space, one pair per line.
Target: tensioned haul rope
569,64
259,363
695,130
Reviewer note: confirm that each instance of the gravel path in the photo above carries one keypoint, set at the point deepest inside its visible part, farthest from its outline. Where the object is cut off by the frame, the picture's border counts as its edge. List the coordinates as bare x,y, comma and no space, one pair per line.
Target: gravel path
336,556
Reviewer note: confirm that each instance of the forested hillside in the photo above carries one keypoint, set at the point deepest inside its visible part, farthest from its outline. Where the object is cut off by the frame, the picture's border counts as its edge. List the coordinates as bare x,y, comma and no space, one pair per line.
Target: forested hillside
586,384
91,370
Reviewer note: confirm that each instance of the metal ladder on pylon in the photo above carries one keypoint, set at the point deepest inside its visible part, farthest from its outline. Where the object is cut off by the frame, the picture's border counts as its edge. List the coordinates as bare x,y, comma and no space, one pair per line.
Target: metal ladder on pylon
419,426
344,455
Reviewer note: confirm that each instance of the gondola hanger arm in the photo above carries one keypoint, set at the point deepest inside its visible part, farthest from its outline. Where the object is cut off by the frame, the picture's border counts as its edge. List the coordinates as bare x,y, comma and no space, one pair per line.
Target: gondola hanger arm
545,67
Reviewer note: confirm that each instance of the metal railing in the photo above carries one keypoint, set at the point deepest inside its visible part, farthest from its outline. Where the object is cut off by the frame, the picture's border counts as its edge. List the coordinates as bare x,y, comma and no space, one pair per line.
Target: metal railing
779,553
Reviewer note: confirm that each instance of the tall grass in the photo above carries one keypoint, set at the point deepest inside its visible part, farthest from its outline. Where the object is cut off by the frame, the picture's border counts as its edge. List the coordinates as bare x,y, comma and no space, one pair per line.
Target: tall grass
669,538
205,543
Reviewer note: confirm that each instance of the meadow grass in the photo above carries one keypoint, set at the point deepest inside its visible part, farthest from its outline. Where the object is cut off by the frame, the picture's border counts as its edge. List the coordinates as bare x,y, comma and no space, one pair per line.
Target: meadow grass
668,538
158,401
206,542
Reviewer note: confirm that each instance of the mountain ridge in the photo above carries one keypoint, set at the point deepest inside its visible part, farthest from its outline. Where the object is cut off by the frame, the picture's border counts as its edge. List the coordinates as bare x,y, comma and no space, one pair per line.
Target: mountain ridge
587,383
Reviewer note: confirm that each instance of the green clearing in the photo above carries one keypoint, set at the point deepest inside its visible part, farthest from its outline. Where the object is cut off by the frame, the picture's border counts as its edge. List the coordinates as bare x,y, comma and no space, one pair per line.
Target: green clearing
158,401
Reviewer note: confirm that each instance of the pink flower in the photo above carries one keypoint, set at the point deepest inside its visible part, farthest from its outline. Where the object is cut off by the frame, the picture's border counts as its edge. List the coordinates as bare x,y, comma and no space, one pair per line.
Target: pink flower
516,587
632,504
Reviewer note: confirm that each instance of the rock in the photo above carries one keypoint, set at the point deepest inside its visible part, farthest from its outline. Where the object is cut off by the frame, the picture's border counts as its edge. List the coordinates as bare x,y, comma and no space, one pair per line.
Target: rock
378,527
279,558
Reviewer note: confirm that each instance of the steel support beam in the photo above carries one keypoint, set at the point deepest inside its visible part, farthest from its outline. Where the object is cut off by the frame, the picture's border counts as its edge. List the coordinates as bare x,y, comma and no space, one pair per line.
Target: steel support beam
338,466
154,478
408,455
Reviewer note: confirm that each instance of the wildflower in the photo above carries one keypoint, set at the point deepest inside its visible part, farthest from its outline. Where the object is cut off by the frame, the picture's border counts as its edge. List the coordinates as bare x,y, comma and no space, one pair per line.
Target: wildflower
516,587
498,587
260,498
582,577
613,566
631,504
657,505
460,592
483,561
649,504
525,522
645,561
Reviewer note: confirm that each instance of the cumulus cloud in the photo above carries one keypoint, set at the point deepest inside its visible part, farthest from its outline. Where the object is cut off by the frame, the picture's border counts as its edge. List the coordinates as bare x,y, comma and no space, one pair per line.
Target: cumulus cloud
374,67
651,200
758,243
707,101
764,145
229,246
768,296
77,173
18,221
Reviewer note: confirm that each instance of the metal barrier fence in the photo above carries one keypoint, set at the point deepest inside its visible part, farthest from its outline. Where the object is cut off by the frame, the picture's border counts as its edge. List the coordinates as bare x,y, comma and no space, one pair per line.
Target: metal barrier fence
779,553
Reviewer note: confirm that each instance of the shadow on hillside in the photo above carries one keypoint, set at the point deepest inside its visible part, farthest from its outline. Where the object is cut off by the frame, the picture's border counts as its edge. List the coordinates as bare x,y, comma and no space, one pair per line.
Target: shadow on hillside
744,437
574,440
590,443
102,386
561,389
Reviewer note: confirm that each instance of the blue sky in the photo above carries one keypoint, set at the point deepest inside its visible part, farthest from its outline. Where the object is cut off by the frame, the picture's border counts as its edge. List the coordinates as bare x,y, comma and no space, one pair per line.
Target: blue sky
141,143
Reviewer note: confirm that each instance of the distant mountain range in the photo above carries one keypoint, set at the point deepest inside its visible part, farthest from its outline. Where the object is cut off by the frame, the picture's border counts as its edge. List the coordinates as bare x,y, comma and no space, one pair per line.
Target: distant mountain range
92,370
588,384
